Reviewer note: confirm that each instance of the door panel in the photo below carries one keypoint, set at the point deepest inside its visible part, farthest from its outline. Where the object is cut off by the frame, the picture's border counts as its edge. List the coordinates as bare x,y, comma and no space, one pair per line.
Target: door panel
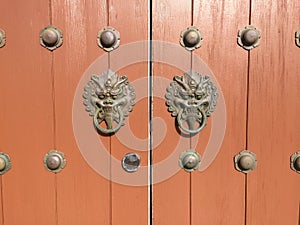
130,199
83,196
171,197
26,115
273,189
218,192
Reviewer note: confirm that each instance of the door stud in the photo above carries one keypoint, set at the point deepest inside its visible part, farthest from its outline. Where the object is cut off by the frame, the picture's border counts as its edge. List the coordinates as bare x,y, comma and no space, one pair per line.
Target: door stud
5,163
54,161
295,162
51,38
191,38
249,37
2,38
189,160
108,39
245,161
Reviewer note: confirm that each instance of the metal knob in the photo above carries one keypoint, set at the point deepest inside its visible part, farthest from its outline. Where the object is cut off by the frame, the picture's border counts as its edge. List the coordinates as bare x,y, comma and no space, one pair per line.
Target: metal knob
108,39
2,38
5,163
54,161
245,161
189,160
131,162
295,162
297,40
51,37
249,37
191,38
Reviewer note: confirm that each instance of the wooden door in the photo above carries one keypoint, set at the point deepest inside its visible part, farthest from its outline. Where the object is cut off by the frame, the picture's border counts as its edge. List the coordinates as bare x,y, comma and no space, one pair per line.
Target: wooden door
257,110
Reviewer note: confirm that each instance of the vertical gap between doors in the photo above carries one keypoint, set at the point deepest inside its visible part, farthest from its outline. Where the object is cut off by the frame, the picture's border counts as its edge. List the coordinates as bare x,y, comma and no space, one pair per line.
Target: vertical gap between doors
247,120
150,114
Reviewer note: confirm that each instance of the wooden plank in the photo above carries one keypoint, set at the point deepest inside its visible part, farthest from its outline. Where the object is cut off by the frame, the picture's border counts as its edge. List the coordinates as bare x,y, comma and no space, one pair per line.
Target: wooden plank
83,195
273,188
26,114
171,195
218,191
129,203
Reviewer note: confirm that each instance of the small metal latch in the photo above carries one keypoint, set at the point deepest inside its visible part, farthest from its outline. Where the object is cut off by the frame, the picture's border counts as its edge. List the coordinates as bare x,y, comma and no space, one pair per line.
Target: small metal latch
2,38
297,40
51,37
295,162
245,161
54,161
191,98
131,162
108,39
189,160
191,38
249,37
5,163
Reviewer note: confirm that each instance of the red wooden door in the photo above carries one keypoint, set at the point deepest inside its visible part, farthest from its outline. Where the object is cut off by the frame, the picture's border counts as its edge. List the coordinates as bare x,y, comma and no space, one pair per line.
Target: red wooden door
257,110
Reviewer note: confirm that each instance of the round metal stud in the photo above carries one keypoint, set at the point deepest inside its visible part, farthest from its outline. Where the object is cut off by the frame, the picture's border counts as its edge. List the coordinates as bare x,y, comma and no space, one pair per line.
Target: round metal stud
249,37
5,163
295,162
191,38
189,160
2,38
108,39
54,161
298,38
245,161
131,162
51,37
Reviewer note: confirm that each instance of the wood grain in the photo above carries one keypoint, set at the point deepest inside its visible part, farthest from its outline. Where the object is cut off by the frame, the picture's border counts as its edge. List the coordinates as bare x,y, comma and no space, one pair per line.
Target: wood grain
273,189
83,195
218,192
26,114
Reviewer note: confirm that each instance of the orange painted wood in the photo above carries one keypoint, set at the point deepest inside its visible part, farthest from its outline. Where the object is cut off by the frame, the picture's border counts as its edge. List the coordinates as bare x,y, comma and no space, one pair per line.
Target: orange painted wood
171,197
26,114
83,195
273,188
218,192
129,203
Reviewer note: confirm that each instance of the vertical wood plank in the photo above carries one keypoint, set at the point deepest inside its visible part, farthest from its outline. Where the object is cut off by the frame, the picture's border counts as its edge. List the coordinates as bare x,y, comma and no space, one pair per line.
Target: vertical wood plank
130,202
171,197
26,114
82,194
218,192
273,188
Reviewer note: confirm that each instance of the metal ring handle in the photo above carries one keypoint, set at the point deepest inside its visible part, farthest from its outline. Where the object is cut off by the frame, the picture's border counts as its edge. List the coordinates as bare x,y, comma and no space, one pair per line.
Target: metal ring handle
108,131
202,124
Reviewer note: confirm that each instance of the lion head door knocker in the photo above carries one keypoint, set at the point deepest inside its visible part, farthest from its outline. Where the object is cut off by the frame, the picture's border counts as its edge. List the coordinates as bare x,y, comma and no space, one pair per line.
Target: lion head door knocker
108,98
191,98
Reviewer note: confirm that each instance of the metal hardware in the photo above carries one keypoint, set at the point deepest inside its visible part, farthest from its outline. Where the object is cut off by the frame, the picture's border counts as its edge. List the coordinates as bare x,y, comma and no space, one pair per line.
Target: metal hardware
2,38
5,163
51,37
297,38
108,97
131,162
191,98
245,161
54,161
189,160
191,38
249,37
108,39
295,162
